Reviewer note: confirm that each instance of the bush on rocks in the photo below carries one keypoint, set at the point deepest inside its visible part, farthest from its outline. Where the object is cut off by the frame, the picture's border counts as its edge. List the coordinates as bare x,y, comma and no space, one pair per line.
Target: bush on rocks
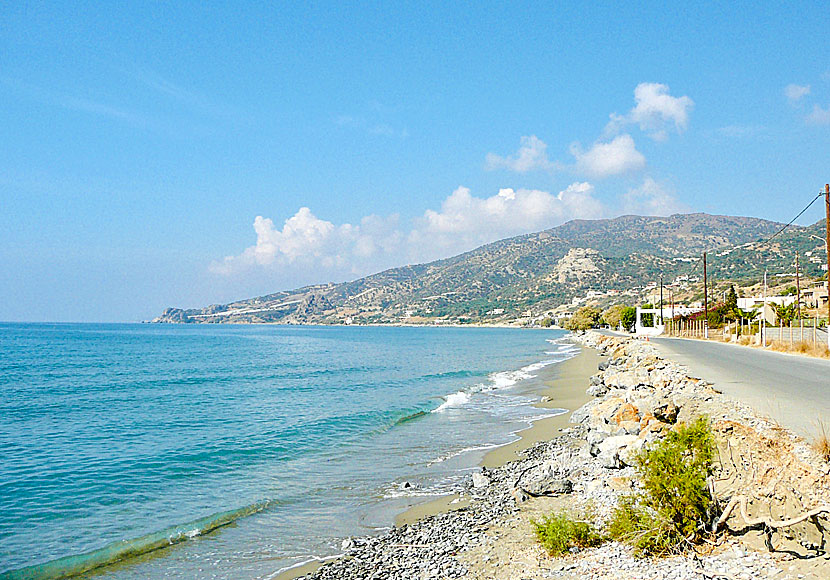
675,506
558,534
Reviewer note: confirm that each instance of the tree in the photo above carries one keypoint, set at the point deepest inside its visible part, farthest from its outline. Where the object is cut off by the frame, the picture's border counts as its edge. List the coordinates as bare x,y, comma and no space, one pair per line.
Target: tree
647,319
545,322
585,318
731,303
786,313
628,316
613,315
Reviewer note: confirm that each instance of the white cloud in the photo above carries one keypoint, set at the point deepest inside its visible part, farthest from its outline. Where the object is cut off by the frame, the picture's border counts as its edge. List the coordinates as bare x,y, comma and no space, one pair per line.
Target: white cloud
465,221
795,93
532,155
819,116
307,241
655,111
651,198
618,156
327,251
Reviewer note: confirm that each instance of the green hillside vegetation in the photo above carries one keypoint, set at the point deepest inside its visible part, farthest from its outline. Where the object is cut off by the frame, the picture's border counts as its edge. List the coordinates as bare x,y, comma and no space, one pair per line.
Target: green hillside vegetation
501,281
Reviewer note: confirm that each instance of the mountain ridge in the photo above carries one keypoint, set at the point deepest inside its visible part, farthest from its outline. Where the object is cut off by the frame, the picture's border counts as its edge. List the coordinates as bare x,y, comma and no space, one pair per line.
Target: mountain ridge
538,271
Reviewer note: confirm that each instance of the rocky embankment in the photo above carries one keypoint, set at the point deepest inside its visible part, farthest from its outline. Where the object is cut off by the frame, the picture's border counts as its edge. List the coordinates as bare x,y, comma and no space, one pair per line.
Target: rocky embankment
765,479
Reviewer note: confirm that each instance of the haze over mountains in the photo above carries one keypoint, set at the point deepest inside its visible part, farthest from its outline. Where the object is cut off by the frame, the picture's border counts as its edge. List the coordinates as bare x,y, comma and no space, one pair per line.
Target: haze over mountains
536,272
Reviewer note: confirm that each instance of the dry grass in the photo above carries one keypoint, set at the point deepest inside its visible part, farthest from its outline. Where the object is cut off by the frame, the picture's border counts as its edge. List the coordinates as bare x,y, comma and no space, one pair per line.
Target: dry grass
819,350
821,443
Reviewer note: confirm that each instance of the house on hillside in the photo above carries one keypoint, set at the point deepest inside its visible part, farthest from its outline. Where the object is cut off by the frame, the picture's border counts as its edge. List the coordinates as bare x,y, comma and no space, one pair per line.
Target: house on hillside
756,302
815,297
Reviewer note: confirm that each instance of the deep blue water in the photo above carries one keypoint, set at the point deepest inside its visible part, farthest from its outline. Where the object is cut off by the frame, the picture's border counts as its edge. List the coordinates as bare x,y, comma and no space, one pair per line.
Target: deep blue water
156,433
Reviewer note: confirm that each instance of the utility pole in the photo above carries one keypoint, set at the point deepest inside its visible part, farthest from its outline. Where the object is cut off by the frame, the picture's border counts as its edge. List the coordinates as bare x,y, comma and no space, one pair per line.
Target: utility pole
797,287
764,313
661,301
827,206
706,299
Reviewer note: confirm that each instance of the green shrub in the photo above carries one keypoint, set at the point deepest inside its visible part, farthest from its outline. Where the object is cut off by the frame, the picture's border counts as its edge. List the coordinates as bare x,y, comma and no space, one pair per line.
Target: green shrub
675,505
558,533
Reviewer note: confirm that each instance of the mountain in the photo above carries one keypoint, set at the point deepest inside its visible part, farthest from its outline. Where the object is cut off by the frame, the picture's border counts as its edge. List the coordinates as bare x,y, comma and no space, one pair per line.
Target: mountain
537,272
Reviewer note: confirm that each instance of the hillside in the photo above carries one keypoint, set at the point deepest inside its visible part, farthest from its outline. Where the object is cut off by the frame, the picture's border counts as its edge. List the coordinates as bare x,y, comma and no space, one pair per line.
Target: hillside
536,272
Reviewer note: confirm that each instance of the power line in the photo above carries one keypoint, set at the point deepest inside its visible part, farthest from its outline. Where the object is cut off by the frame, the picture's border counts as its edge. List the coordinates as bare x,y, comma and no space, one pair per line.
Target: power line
697,262
795,218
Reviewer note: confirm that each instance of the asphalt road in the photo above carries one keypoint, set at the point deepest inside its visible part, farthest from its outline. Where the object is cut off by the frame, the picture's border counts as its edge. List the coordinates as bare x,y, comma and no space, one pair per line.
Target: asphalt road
794,390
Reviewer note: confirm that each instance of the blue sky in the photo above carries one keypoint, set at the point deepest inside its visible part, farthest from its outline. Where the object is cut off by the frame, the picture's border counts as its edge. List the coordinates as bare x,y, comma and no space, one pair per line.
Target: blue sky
160,154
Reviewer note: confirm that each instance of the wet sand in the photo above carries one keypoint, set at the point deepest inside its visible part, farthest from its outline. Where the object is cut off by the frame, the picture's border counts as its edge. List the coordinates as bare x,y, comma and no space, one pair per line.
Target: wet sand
566,390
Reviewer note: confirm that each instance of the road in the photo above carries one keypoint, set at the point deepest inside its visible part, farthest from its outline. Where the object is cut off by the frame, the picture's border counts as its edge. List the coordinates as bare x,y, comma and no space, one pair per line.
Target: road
794,390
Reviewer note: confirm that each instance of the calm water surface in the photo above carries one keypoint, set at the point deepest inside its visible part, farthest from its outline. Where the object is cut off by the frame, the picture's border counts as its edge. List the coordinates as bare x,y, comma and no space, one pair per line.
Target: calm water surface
284,439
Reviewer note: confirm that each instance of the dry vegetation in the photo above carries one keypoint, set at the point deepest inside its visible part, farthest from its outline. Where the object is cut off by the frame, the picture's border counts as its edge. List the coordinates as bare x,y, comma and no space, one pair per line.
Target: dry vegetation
801,347
821,443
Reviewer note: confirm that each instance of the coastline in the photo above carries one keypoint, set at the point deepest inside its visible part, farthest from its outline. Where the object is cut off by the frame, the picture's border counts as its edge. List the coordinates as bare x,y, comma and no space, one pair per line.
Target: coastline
565,390
635,400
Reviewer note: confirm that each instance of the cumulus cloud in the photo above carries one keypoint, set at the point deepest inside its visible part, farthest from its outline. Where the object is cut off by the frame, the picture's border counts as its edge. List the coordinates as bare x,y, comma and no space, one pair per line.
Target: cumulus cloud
463,222
819,116
308,241
532,155
615,157
466,221
795,93
651,198
655,112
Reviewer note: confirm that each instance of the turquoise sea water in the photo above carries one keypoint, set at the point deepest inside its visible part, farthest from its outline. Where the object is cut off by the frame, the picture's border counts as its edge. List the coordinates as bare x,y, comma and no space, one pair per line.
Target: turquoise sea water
236,451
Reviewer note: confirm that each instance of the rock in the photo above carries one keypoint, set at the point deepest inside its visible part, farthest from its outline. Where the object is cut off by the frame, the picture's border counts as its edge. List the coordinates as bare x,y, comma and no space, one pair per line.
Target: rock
630,427
627,412
609,459
610,449
598,390
619,483
555,486
628,453
666,412
595,437
480,480
617,443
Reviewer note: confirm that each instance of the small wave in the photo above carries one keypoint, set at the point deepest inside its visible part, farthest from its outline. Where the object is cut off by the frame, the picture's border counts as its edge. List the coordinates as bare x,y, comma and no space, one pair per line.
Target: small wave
506,379
452,454
455,400
410,417
77,564
312,560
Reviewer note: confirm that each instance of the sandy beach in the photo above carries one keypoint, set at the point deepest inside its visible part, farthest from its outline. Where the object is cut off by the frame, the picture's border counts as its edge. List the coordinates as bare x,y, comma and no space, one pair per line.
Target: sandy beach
565,390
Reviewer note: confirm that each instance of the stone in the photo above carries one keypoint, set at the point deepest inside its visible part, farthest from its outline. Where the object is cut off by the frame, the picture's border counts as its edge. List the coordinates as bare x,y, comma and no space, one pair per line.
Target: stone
630,427
666,412
627,412
628,453
480,480
598,390
553,486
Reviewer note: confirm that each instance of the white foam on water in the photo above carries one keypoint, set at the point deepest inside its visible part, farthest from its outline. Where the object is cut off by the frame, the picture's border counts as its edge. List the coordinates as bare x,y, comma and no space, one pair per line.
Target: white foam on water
454,400
452,454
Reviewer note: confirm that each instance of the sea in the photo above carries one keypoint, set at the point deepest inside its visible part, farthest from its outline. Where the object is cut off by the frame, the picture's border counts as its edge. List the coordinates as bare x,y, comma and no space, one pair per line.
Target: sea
134,451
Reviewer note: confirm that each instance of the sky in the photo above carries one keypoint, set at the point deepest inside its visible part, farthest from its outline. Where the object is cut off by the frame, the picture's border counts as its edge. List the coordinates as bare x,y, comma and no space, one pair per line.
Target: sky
184,154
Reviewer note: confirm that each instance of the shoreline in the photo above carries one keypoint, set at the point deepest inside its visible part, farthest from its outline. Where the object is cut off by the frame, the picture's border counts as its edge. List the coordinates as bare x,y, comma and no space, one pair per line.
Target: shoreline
565,390
634,401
